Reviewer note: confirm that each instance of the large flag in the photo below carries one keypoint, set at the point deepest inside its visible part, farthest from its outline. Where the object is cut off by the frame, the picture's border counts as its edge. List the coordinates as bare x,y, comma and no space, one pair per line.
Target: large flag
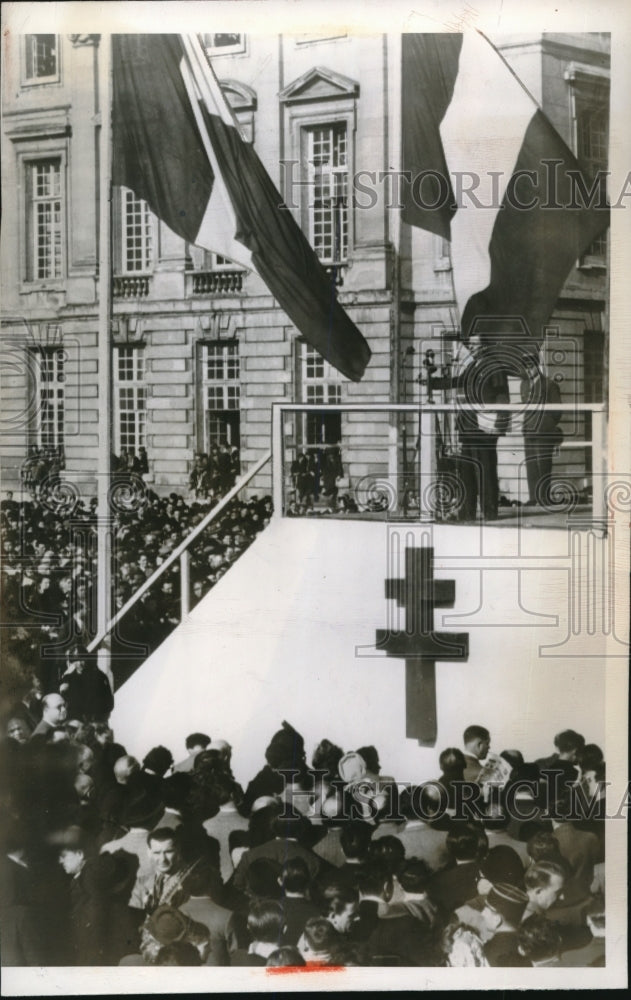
176,145
468,121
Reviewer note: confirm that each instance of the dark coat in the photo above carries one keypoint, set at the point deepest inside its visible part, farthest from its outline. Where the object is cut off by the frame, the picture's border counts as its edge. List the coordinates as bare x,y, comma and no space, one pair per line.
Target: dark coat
88,694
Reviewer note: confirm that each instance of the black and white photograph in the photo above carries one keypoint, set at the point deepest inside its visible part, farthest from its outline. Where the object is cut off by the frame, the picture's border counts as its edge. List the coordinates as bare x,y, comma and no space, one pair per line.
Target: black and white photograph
315,496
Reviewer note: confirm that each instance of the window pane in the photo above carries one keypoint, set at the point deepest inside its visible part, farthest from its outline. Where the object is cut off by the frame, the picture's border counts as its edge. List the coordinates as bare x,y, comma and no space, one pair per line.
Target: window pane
221,393
137,235
49,368
44,220
592,143
130,397
41,56
328,205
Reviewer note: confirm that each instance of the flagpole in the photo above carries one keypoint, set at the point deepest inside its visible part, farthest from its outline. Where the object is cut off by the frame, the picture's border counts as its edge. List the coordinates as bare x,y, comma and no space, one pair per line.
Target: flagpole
104,546
227,104
513,73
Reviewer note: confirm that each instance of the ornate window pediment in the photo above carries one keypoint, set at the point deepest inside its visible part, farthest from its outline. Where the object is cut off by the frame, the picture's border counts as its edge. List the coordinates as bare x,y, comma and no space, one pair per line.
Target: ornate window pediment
319,84
239,96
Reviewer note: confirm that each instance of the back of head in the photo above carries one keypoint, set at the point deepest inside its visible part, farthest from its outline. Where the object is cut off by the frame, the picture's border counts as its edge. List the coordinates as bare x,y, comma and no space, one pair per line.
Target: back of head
178,953
326,757
371,757
372,879
539,938
260,823
286,749
466,842
513,757
175,790
112,875
207,761
413,875
197,740
261,879
568,741
451,761
503,864
142,811
590,757
266,921
158,760
203,880
292,828
543,846
285,957
428,802
472,733
355,839
388,851
295,876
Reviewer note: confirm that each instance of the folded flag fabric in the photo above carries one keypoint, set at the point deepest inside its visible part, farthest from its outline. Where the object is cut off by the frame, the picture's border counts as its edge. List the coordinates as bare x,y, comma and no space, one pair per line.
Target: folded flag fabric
492,175
176,145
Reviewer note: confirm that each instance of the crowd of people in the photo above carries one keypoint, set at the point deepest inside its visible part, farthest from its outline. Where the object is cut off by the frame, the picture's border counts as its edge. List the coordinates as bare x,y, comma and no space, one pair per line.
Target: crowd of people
49,572
40,471
128,461
214,472
315,473
108,860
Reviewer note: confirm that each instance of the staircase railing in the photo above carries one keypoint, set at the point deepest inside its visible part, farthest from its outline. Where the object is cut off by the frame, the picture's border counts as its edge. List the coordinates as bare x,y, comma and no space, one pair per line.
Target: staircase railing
181,553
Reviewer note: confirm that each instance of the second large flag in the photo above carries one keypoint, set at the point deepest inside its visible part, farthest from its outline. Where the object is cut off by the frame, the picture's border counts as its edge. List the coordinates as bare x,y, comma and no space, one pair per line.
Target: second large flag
494,177
176,145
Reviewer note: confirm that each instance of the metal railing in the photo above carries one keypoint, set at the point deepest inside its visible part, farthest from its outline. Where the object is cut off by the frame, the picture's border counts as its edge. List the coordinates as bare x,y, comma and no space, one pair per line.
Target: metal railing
181,553
390,420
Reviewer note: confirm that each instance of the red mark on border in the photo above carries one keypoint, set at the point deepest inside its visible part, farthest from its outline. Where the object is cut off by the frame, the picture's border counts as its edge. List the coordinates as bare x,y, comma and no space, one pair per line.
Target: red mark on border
309,967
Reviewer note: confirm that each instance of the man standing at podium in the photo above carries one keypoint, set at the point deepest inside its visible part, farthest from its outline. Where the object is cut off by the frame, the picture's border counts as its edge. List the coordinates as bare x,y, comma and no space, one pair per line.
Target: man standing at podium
482,381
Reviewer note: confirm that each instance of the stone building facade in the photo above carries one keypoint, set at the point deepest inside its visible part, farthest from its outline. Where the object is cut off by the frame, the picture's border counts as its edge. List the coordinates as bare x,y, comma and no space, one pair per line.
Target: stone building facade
200,348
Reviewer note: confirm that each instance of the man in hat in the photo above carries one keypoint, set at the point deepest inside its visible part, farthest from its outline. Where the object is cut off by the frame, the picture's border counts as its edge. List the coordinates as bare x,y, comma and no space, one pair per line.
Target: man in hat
502,864
285,753
89,910
502,914
86,688
163,928
109,879
481,375
167,925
